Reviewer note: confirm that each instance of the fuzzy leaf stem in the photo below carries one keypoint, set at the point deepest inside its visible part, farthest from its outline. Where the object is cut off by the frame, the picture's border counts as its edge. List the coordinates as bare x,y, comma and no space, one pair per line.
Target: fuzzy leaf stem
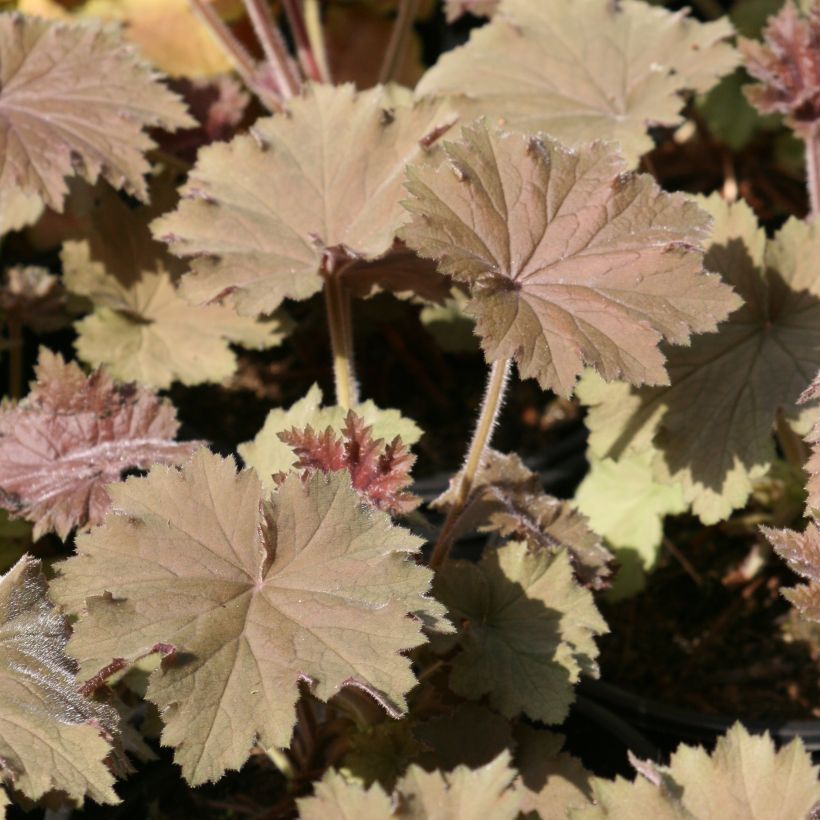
490,408
339,320
273,44
812,140
408,9
316,36
304,47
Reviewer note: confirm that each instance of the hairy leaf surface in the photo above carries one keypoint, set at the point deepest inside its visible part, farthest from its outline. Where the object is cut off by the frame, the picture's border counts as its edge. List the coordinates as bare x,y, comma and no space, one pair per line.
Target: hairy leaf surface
50,734
744,777
332,174
585,70
255,595
570,260
801,551
711,426
75,100
269,455
142,329
508,498
71,437
526,630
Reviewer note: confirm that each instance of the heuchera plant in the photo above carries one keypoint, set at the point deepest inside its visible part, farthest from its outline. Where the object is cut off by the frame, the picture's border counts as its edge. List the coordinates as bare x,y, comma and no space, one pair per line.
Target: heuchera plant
303,608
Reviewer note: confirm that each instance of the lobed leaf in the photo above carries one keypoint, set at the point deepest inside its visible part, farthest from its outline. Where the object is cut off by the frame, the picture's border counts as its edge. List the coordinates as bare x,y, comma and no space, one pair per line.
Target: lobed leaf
526,630
255,595
379,472
585,70
51,736
18,209
74,100
142,329
801,551
711,426
269,455
71,437
33,297
570,261
331,199
509,499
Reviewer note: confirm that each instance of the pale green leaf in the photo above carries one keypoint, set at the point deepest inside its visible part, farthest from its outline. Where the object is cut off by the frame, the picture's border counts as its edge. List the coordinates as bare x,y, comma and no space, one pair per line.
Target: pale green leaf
526,629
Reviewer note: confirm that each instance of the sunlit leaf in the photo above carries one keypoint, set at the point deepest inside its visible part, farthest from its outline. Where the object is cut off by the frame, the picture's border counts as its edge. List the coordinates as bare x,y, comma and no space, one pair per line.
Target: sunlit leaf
585,70
142,329
331,198
50,734
71,437
526,630
336,798
269,455
75,100
570,260
711,427
255,595
18,208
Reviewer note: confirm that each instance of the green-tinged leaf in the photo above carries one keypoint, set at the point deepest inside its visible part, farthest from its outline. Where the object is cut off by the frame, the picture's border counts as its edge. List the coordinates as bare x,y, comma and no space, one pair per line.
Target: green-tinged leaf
269,455
728,114
552,782
142,329
526,630
624,503
462,794
15,539
450,325
380,753
75,100
711,426
570,261
471,736
509,499
744,777
255,594
18,209
585,70
336,798
331,198
50,734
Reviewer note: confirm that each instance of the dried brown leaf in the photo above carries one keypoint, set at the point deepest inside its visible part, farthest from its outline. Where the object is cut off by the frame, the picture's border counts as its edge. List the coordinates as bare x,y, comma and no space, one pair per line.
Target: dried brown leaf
75,100
380,472
585,70
331,198
71,437
255,595
570,260
787,65
508,498
51,736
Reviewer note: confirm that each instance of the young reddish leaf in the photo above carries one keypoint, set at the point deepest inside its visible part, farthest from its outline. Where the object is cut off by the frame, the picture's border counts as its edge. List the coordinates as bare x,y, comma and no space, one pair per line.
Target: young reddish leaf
711,427
745,776
585,70
787,64
142,329
801,551
526,630
51,736
331,198
32,297
75,100
570,260
269,455
480,8
254,594
71,437
380,472
507,498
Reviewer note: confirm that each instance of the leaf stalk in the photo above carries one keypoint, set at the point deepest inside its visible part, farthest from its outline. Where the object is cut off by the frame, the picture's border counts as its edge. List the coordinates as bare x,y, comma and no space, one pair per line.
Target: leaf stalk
340,324
316,36
408,9
487,419
273,44
304,48
813,170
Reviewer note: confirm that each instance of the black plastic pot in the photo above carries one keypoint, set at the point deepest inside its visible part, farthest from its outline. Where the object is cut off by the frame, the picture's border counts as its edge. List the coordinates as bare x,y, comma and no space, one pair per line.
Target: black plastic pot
670,725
